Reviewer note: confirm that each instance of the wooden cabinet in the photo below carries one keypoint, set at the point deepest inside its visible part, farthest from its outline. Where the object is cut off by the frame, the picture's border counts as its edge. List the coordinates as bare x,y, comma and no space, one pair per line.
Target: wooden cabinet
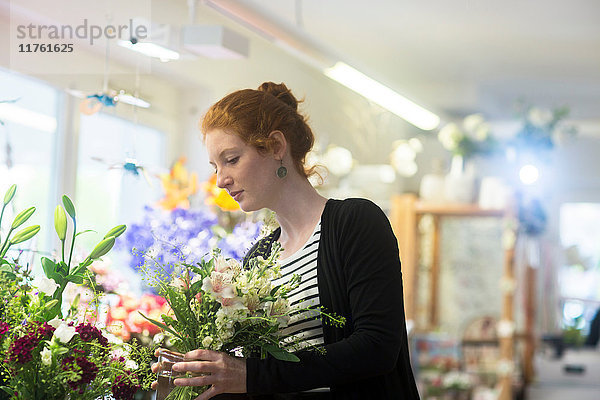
405,214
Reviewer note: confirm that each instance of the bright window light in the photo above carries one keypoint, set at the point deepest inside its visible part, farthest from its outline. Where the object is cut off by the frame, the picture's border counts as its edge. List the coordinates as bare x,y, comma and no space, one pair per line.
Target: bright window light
382,95
25,117
151,50
529,174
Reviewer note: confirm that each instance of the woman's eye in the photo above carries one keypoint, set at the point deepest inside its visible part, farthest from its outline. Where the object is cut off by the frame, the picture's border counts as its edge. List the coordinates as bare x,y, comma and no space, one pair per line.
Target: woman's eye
233,160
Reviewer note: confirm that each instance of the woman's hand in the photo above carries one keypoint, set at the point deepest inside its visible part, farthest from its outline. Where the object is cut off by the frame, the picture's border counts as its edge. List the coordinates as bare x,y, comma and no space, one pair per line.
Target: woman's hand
224,373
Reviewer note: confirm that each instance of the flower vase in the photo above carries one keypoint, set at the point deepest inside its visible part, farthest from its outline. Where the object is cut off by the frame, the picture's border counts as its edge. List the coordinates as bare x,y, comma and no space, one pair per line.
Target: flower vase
431,188
459,183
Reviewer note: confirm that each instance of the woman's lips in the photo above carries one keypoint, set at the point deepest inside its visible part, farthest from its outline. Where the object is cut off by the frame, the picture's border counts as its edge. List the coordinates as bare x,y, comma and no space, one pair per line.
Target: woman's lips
236,195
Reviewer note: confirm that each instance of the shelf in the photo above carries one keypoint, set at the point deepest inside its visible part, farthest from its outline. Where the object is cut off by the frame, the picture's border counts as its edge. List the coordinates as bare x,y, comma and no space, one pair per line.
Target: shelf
450,209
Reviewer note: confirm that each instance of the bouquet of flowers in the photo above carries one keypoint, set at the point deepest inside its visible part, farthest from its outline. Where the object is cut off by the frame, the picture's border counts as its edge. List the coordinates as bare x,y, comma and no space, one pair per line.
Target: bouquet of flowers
471,138
542,128
46,355
219,305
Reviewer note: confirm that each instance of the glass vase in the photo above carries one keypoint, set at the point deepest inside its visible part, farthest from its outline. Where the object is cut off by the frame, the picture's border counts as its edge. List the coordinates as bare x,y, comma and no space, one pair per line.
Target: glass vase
166,375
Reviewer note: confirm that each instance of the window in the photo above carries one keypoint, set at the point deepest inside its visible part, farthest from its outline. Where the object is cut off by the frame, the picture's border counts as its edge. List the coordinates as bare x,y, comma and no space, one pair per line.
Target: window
579,277
112,188
27,152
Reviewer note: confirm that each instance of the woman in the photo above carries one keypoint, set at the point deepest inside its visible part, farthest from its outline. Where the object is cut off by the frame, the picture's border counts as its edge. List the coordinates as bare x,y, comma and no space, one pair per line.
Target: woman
345,251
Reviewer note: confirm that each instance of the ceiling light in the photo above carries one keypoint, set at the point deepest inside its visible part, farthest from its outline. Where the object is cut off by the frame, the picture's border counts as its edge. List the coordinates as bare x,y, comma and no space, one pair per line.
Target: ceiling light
151,50
529,174
382,95
25,117
214,41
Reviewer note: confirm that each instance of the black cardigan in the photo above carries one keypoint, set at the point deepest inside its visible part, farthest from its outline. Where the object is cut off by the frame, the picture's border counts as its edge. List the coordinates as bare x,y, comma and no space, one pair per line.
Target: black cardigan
359,277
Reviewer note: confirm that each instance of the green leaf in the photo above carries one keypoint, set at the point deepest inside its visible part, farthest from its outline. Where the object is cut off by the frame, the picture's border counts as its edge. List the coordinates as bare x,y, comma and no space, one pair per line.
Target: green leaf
50,269
69,207
274,290
280,354
7,270
116,231
10,193
86,231
161,325
25,234
102,248
22,217
75,278
60,222
62,268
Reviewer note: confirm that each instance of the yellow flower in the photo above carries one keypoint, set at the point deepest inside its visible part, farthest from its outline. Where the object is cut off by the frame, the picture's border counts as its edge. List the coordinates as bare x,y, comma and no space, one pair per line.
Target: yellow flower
219,197
179,186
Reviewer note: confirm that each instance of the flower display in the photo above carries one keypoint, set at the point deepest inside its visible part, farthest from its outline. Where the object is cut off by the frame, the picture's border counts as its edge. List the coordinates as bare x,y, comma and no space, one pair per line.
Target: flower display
542,128
472,137
218,305
181,235
49,351
124,321
179,185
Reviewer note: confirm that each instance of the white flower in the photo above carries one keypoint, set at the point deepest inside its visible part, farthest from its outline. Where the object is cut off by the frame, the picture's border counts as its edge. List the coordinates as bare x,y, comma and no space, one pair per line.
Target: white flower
476,127
46,285
55,322
158,338
64,333
472,122
450,136
131,365
540,117
120,351
46,354
178,283
207,341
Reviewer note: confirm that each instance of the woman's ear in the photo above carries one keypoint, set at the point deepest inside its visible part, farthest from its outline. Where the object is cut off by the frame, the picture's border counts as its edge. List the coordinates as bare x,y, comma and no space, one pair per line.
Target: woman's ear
278,144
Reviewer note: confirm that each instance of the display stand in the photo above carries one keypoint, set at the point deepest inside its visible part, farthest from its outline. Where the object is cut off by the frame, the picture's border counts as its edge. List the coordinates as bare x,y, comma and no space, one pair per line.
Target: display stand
406,212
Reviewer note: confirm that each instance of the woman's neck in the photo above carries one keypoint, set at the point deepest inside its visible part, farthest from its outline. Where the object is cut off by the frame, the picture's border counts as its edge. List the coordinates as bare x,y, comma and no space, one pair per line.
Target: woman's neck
297,213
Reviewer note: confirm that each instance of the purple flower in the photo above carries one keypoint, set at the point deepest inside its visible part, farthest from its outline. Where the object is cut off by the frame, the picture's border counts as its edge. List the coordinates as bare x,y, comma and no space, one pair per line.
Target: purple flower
88,332
20,351
123,388
88,371
4,327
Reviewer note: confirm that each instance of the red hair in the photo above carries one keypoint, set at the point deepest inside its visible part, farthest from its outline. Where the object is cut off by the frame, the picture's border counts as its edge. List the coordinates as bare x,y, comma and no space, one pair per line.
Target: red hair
254,114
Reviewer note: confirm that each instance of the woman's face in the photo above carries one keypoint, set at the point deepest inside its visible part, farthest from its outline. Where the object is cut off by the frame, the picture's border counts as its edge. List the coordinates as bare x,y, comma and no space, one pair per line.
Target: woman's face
246,174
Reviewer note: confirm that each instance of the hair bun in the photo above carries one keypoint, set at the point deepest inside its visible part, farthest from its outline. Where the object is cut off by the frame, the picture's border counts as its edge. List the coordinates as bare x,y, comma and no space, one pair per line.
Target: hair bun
281,92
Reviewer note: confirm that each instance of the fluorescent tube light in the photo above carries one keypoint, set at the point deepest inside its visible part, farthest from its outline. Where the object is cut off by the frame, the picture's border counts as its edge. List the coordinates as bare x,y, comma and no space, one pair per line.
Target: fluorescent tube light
382,95
151,50
25,117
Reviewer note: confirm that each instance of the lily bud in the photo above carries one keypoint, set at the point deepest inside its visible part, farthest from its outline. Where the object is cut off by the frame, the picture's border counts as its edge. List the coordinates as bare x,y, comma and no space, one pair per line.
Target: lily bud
60,222
25,234
116,231
10,194
75,302
51,304
102,248
22,217
69,207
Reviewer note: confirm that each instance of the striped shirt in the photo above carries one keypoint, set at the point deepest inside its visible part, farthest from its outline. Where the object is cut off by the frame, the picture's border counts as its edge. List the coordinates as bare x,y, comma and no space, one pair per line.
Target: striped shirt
303,325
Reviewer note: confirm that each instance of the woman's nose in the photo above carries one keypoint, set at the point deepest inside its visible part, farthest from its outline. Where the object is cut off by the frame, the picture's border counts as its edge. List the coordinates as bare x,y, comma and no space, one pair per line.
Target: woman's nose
223,180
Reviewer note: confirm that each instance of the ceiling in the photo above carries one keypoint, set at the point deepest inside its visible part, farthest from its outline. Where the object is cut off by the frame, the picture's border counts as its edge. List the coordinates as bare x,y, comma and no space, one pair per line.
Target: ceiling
453,57
462,56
